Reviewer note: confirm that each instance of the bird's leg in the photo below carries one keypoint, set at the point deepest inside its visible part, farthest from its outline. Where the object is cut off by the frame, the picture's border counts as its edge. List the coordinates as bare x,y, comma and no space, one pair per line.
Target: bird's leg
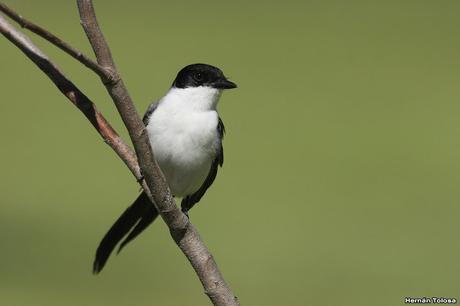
185,211
141,178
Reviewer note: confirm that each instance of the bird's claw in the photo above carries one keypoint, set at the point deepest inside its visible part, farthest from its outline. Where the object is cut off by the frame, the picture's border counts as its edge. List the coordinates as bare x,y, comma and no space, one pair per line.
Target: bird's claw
141,178
185,212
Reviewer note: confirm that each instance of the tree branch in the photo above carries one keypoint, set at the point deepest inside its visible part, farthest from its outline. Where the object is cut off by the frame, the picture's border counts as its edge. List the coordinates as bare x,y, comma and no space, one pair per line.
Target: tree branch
78,98
182,231
75,53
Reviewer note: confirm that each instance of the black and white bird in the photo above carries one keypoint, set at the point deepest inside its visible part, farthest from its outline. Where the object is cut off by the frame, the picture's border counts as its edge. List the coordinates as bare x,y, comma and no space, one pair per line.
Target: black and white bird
185,132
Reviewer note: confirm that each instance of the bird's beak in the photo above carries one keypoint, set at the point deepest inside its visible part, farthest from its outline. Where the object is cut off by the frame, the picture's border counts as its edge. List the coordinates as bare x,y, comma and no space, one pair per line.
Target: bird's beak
224,84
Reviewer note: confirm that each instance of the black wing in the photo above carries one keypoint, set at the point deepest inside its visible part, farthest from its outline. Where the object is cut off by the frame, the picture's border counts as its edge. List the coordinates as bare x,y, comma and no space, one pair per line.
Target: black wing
190,200
152,107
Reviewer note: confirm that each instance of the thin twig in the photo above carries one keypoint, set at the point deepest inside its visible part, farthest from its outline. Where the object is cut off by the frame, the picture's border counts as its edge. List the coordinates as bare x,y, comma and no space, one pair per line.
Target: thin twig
78,98
78,55
182,231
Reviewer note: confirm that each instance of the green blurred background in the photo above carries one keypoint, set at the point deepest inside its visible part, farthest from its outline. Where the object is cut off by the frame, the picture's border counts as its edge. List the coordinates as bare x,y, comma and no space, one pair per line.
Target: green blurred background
341,182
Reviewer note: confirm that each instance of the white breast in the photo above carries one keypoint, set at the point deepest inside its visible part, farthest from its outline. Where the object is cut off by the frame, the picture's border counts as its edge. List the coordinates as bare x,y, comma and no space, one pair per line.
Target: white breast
183,134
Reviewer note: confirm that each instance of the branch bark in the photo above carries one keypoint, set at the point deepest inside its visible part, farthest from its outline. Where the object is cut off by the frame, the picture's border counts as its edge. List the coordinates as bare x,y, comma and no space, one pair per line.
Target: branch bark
77,97
82,58
182,231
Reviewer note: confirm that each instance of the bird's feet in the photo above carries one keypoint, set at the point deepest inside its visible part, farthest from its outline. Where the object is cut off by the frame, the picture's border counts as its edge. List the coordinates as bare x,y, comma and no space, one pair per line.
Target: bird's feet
141,177
185,212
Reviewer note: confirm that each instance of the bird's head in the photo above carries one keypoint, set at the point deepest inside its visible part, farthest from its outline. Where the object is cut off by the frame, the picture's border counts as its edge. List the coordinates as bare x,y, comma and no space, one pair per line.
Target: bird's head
202,75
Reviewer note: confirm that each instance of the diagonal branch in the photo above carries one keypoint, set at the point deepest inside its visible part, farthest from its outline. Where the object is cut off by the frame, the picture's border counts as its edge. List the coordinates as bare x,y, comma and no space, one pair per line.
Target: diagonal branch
182,231
78,98
75,53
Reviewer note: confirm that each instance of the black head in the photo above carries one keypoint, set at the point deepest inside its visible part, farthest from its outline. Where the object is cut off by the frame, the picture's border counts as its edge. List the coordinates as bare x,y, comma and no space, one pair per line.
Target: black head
196,75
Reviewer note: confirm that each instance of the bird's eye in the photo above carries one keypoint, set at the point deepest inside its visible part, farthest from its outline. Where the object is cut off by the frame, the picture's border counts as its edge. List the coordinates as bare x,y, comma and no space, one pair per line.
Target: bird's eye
198,76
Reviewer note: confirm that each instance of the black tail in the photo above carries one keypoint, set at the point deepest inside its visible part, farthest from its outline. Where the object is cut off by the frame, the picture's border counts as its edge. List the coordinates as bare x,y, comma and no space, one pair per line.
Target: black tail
133,221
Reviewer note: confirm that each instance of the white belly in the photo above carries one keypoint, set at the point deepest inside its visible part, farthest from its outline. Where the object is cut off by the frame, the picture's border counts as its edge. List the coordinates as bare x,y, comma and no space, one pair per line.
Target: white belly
185,145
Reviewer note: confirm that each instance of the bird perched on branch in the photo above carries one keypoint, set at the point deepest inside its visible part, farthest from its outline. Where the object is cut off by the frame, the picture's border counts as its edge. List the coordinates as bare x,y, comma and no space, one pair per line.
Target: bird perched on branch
185,132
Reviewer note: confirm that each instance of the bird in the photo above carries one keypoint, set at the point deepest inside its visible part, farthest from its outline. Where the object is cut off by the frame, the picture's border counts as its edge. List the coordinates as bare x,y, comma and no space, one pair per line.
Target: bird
185,132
